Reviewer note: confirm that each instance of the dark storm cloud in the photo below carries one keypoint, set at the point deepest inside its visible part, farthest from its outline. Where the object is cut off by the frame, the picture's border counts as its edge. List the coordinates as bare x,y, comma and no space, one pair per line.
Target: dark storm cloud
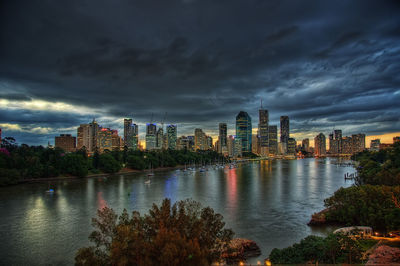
322,63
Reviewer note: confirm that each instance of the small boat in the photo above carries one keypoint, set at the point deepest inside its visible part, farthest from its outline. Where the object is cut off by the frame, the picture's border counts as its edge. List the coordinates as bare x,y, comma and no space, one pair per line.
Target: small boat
50,191
147,182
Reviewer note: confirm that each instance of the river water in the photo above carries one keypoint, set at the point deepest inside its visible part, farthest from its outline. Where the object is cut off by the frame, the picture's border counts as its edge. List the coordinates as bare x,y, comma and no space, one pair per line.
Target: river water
269,202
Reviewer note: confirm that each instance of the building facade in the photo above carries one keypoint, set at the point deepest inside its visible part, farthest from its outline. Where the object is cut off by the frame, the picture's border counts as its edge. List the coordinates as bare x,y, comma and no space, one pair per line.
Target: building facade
263,132
87,136
222,138
244,130
272,140
285,135
151,136
172,136
320,145
65,142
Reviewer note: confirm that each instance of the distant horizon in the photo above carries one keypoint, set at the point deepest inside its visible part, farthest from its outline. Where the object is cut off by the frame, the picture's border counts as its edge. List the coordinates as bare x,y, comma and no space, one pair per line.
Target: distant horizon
332,65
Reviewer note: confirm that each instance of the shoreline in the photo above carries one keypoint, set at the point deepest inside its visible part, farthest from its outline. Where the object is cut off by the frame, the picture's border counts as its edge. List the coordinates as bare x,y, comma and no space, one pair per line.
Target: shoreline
123,171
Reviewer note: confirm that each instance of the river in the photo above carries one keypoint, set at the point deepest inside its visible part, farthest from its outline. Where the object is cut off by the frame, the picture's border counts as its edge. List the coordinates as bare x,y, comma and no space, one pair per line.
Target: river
269,202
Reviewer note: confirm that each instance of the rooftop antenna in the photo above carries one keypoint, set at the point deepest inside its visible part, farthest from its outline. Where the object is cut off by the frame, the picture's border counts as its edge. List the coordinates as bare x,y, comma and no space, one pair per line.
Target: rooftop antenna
162,121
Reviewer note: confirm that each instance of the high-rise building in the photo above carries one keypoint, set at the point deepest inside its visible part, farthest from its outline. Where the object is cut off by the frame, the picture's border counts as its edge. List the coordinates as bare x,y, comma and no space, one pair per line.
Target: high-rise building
237,147
200,140
131,137
209,144
105,140
172,135
255,146
244,130
291,146
87,136
358,142
65,142
272,140
263,132
151,133
375,144
222,138
305,144
183,143
160,138
335,142
320,145
230,145
347,146
285,131
191,143
117,142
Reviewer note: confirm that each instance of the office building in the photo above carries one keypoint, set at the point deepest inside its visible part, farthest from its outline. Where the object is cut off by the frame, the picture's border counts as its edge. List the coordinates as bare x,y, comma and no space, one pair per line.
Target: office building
263,132
171,136
320,145
374,146
65,142
209,143
291,146
200,141
244,130
131,138
222,139
237,147
183,143
347,146
160,139
255,145
272,140
87,136
284,132
151,136
358,141
305,145
105,140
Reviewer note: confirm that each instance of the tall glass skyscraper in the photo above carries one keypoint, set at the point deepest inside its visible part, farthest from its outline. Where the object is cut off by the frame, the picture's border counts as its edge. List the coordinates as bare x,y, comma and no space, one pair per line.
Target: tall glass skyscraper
151,133
172,135
243,130
263,131
285,131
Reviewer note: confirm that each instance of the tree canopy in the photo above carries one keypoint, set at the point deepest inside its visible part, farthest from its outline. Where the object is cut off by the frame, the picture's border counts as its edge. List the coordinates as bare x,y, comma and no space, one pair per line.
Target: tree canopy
183,233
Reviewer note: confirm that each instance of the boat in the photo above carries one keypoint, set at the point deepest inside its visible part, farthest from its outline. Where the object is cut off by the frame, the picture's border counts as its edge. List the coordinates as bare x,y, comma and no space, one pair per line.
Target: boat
147,182
50,190
151,171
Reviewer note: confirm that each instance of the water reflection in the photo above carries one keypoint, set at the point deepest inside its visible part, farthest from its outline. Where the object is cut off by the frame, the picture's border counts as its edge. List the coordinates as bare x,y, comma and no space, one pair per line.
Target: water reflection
268,201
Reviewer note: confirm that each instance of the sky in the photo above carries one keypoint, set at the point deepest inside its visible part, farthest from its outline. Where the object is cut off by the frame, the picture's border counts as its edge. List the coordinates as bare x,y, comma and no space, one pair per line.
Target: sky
325,64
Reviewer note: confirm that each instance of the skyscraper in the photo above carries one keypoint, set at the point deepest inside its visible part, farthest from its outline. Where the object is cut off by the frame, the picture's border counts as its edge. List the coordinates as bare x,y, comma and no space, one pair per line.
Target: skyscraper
172,135
222,138
320,145
272,140
291,146
263,132
244,130
160,138
358,142
200,141
87,136
285,131
151,132
128,136
105,140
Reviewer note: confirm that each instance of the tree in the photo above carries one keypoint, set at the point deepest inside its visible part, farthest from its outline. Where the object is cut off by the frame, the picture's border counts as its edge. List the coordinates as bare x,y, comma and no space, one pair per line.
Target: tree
180,234
108,164
74,164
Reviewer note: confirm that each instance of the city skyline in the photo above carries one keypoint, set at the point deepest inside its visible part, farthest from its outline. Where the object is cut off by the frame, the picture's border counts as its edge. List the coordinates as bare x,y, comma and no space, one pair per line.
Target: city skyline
326,68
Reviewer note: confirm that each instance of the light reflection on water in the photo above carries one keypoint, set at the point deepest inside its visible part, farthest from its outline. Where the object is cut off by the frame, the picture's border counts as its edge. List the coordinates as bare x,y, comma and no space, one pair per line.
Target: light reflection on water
268,201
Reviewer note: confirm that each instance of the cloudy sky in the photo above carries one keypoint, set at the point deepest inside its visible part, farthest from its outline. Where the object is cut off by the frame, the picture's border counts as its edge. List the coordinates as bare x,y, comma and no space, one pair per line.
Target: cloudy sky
325,64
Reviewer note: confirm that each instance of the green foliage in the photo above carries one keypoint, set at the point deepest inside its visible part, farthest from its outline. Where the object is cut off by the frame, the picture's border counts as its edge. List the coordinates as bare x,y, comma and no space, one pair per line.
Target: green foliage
364,205
108,164
19,162
335,248
180,234
379,168
74,164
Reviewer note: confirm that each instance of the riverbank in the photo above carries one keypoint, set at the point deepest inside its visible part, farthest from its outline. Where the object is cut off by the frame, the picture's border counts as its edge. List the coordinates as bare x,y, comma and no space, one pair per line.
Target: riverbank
123,171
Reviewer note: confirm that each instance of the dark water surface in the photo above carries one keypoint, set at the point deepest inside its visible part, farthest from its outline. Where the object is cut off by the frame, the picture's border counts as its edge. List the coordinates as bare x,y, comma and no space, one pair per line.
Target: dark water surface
269,202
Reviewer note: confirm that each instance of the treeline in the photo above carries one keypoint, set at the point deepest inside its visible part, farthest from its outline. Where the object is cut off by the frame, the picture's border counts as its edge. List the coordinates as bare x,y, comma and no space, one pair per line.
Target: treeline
19,162
375,199
333,249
